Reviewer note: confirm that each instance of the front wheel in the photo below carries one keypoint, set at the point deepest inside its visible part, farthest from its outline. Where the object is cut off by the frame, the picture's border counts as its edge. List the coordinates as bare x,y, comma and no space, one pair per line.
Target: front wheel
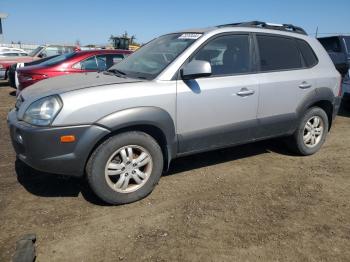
311,133
125,168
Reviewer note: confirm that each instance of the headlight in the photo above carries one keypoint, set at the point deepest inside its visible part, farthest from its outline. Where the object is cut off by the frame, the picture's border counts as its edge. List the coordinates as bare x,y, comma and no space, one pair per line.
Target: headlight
43,111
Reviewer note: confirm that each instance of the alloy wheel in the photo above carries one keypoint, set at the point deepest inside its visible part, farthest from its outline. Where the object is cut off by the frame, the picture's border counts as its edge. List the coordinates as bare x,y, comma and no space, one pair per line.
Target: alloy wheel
128,168
313,131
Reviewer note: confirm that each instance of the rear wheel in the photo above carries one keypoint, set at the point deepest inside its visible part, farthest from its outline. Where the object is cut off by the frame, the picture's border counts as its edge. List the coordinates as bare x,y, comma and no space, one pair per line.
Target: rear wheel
125,168
311,133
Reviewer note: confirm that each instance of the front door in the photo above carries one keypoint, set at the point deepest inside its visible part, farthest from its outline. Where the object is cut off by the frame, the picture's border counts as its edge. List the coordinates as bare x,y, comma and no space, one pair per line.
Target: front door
219,110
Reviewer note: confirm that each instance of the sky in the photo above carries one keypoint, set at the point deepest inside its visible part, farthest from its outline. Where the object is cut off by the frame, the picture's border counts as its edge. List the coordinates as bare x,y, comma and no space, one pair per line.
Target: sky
92,22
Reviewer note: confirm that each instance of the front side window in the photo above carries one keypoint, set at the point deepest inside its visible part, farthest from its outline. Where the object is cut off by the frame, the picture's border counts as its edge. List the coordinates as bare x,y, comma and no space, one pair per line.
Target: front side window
88,64
227,55
116,58
278,53
108,60
101,62
151,59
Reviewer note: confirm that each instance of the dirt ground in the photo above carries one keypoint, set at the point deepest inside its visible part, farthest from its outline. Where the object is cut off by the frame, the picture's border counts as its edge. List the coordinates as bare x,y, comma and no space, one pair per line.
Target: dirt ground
255,202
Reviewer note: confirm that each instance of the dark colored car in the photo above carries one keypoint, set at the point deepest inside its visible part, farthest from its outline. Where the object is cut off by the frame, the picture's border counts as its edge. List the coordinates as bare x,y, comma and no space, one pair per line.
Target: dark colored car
338,48
76,62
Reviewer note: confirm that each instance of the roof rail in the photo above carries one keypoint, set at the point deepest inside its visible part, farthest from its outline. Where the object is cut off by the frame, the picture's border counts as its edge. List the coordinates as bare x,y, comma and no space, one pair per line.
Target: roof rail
265,25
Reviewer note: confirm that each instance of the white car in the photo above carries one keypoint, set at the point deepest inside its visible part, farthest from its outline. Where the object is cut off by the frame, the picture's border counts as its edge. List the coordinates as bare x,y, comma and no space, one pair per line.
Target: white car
10,49
9,54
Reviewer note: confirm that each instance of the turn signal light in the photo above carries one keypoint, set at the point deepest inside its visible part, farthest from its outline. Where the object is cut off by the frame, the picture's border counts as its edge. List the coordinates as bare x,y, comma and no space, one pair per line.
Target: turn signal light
67,139
340,93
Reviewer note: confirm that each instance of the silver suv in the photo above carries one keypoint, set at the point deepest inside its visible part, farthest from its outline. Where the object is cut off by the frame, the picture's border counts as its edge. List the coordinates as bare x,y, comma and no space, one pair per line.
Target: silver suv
180,94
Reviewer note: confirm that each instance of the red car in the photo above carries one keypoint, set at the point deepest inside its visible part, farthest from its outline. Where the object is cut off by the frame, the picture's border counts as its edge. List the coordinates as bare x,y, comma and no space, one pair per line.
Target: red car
76,62
38,53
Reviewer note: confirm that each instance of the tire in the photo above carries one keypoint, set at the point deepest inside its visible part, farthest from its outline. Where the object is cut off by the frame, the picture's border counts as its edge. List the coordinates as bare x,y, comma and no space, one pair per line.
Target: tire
296,142
112,165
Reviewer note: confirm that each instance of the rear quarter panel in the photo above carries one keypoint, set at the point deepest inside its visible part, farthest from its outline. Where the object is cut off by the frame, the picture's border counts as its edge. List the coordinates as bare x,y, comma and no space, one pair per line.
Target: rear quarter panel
326,74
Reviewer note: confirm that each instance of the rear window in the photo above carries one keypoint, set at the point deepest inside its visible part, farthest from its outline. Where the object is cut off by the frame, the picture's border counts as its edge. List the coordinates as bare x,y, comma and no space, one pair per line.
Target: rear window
278,53
331,44
58,59
308,54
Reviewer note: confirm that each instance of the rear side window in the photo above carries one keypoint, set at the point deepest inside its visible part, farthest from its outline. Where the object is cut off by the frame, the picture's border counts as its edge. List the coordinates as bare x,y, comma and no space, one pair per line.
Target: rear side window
278,53
331,44
89,64
308,54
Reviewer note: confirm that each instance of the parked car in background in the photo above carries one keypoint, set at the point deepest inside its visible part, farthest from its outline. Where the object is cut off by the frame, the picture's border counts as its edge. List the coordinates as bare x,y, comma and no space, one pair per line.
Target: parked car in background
76,62
10,49
338,48
11,54
38,53
180,94
12,71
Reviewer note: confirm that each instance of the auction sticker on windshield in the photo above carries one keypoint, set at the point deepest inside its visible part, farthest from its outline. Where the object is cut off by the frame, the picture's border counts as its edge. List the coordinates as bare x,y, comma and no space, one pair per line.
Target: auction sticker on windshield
190,36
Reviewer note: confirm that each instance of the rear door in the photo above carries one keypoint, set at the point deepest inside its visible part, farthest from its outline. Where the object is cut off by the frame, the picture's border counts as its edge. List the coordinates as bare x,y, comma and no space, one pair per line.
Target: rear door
286,77
219,110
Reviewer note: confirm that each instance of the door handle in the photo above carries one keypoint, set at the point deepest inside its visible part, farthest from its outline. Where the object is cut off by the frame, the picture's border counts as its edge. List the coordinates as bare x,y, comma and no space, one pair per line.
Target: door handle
245,92
304,85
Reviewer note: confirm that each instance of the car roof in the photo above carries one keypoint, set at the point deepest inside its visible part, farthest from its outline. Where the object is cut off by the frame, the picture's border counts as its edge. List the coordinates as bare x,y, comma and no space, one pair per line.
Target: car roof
253,26
103,51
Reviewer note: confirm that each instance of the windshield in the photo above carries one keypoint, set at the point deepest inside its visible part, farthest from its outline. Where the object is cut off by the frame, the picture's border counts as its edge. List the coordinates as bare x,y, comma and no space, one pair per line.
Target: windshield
35,51
154,57
57,59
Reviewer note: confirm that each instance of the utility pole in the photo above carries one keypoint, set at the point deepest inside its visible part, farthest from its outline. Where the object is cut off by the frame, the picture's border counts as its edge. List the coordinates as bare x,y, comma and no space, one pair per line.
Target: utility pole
2,17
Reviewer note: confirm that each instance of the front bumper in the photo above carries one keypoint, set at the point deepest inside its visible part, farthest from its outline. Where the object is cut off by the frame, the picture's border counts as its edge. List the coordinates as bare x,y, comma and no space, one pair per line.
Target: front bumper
40,147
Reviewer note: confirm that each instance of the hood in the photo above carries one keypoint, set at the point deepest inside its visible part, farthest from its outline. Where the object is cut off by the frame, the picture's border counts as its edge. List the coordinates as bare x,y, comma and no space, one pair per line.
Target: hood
71,82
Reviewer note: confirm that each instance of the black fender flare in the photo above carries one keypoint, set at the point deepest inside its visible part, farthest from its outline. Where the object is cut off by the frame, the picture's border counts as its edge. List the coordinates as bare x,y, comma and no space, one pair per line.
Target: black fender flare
144,116
317,95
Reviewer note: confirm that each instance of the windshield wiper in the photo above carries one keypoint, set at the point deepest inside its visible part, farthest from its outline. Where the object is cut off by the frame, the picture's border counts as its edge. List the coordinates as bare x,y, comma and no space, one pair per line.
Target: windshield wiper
116,72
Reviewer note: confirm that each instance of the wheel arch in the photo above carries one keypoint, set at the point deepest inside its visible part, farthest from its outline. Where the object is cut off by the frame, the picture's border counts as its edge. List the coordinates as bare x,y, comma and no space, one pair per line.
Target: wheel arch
153,121
320,97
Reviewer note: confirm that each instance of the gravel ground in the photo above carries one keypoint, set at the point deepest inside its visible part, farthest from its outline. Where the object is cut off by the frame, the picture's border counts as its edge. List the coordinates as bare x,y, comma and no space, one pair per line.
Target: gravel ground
255,202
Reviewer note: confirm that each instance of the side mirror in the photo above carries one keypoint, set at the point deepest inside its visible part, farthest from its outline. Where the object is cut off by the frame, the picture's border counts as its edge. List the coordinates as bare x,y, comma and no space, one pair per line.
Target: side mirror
196,69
